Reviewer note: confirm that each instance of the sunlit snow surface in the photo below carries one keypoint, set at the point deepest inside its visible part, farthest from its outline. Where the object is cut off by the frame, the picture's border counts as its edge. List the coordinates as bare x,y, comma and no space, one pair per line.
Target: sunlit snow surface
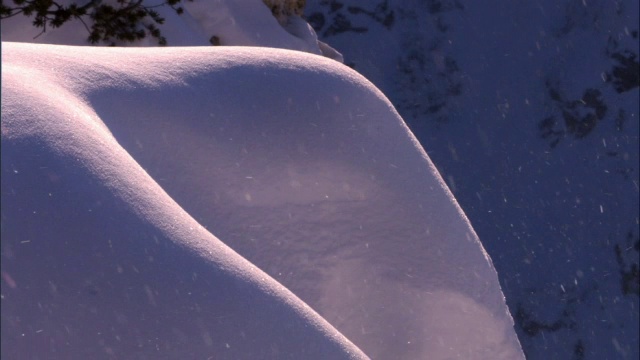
118,165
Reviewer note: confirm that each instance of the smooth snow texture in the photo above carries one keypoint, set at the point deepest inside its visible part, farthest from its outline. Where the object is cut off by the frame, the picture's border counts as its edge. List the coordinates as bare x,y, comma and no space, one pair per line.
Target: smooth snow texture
97,260
294,161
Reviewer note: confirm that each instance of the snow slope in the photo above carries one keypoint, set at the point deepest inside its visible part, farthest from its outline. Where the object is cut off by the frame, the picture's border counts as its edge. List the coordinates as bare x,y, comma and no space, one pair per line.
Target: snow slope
120,164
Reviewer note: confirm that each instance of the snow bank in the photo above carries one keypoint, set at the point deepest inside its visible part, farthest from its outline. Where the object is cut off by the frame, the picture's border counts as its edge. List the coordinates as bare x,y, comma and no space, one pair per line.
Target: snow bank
294,161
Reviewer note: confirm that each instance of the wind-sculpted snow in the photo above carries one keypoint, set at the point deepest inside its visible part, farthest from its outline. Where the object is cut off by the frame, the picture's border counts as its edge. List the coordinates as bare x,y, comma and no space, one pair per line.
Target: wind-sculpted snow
119,165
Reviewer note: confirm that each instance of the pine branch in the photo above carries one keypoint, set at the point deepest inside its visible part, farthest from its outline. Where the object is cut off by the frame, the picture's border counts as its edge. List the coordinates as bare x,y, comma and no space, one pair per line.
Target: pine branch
127,21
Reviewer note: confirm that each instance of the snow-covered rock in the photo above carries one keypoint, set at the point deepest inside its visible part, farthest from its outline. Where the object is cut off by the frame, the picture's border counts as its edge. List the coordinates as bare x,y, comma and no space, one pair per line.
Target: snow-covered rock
129,175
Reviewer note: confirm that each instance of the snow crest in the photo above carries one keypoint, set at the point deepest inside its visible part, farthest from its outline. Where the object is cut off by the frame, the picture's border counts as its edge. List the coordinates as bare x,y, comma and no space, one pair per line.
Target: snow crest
120,164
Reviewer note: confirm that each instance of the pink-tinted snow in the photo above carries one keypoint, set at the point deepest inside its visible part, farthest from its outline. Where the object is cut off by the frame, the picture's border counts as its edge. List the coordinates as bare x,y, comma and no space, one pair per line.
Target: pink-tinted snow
120,164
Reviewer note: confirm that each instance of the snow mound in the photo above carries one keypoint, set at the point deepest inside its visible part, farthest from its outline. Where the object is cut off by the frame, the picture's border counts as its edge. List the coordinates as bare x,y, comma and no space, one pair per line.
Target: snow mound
118,162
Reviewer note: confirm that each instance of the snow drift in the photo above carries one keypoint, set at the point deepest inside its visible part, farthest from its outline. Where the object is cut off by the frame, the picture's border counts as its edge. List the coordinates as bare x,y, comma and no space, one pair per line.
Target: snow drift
119,165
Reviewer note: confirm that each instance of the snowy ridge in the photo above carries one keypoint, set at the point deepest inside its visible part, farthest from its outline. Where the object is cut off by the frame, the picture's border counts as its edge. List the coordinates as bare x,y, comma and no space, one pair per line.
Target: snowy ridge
317,182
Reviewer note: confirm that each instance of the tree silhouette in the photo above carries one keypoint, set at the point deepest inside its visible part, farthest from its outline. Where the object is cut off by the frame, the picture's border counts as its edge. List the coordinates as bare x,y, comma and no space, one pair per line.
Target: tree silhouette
123,21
